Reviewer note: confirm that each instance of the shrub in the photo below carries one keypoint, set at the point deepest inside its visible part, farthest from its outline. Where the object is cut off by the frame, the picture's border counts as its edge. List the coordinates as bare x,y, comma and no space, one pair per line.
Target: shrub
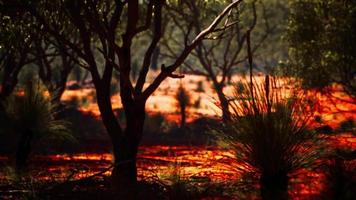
270,135
197,103
183,102
200,87
32,116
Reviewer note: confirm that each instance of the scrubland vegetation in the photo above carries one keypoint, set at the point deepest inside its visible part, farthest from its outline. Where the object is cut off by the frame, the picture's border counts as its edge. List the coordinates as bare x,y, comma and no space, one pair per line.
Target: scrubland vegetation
163,99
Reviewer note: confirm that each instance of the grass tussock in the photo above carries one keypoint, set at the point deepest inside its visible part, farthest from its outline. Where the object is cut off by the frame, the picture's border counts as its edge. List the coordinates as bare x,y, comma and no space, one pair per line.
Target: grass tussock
270,132
33,110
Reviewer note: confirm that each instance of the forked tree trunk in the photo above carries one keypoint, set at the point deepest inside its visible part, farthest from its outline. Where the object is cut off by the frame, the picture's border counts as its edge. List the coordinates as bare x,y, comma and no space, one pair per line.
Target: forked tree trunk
125,143
57,95
274,187
56,92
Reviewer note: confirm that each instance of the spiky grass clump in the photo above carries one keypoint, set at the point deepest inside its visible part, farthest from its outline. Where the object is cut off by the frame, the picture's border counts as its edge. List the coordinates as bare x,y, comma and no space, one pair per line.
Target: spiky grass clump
270,131
31,116
32,111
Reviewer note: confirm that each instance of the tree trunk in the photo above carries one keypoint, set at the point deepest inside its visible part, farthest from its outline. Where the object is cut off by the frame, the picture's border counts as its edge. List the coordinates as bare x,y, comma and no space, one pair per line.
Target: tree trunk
9,82
56,95
274,187
8,85
224,103
125,172
183,116
154,62
57,92
125,143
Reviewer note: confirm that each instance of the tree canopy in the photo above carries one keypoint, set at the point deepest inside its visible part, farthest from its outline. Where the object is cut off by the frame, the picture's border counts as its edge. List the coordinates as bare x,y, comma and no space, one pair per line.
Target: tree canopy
322,39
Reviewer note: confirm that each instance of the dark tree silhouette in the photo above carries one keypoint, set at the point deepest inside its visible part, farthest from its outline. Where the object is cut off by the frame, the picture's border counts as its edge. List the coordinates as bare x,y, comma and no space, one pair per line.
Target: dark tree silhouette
16,37
107,30
53,69
22,45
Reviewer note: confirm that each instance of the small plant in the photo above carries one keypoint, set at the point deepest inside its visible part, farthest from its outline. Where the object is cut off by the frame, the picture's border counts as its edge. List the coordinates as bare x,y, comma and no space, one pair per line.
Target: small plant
200,87
178,187
32,116
269,133
197,103
183,102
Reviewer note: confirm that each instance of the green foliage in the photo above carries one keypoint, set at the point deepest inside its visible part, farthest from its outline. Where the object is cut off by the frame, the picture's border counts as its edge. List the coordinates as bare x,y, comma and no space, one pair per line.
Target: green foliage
321,35
16,33
33,111
269,131
273,18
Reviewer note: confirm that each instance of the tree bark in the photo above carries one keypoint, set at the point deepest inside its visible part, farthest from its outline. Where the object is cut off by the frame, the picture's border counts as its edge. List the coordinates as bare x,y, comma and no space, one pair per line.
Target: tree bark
154,62
125,171
9,82
224,103
125,143
60,86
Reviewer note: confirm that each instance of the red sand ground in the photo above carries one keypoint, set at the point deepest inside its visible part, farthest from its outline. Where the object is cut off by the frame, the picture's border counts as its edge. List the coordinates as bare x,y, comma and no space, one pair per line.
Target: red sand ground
335,107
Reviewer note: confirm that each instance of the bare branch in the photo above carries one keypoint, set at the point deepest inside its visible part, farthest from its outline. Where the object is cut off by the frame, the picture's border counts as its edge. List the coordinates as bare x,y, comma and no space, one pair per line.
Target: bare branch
165,73
149,13
148,55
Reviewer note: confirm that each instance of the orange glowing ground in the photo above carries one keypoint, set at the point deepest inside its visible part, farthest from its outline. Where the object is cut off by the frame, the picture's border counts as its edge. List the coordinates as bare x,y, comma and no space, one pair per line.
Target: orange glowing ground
334,108
192,162
162,162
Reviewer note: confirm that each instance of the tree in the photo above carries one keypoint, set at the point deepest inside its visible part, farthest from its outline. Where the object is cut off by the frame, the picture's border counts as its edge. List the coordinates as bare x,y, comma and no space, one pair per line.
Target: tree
183,101
55,67
21,45
223,54
322,40
107,31
16,38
